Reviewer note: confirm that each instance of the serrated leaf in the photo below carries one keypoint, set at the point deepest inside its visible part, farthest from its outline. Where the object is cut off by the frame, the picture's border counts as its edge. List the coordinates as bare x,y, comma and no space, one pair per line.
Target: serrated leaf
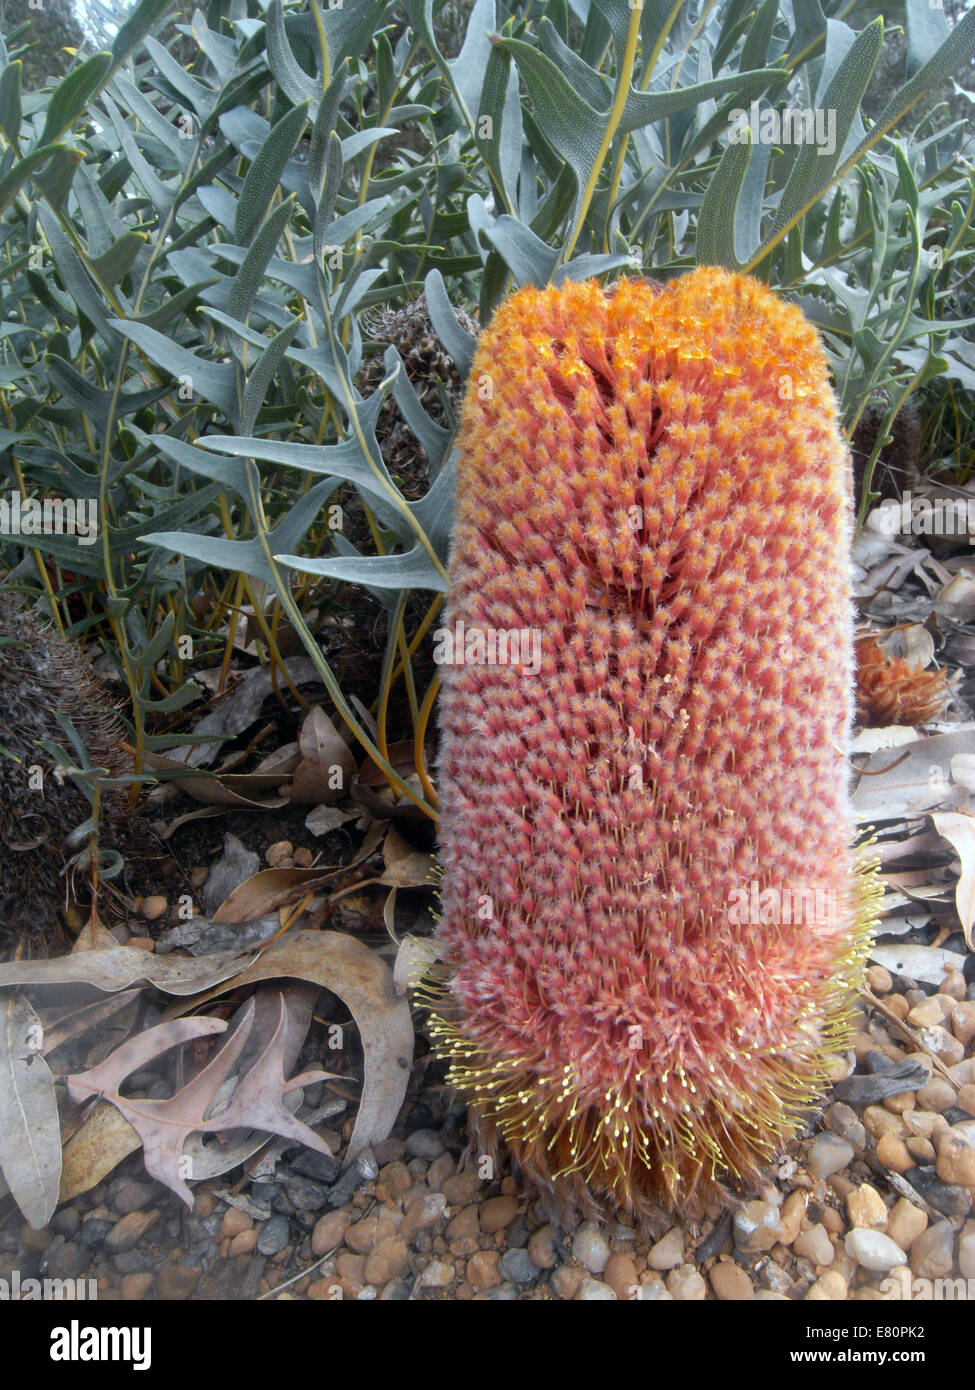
571,126
164,1125
117,261
529,259
328,191
215,381
192,93
468,68
430,435
812,172
57,176
458,342
412,570
250,556
586,81
344,460
642,108
927,29
363,981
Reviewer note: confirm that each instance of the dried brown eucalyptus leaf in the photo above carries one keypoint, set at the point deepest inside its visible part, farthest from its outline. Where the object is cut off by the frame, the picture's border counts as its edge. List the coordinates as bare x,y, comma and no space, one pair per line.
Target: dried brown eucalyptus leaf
364,983
120,967
30,1133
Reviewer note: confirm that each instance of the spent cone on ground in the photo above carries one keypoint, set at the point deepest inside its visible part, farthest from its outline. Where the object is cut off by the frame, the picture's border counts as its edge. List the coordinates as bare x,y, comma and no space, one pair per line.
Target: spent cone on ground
42,674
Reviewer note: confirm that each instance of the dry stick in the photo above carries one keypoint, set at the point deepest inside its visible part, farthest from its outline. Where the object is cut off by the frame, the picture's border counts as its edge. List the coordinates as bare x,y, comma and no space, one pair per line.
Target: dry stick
303,1273
896,1180
908,1033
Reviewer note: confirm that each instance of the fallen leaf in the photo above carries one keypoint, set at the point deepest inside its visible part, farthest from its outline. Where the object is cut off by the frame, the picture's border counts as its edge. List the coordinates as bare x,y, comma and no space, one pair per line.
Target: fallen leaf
93,937
252,790
235,865
957,598
927,963
120,967
73,1024
406,867
240,709
264,892
164,1125
326,818
327,765
892,736
95,1149
959,830
364,983
911,780
205,938
209,1160
166,829
30,1132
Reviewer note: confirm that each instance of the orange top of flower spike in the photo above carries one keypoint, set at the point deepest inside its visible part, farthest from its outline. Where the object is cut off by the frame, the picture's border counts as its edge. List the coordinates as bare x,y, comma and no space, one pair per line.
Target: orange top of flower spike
653,486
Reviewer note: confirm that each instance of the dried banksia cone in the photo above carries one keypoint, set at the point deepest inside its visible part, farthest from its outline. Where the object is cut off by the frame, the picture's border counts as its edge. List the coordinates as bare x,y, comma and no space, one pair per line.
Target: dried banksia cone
895,690
653,920
41,672
898,462
431,372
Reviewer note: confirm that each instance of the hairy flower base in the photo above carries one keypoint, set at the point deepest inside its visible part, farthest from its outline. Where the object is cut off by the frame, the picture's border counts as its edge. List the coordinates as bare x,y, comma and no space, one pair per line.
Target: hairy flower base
658,1136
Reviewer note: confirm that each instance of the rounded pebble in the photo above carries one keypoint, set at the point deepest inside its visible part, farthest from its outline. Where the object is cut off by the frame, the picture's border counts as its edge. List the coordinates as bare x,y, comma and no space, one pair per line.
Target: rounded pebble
497,1212
956,1159
519,1268
873,1250
668,1253
933,1253
828,1154
829,1287
591,1248
905,1223
274,1235
424,1143
815,1244
865,1207
594,1291
541,1246
730,1282
621,1276
686,1285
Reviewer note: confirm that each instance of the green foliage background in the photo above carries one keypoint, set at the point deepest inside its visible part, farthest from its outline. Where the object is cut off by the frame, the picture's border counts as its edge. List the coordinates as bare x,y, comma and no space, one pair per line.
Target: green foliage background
196,225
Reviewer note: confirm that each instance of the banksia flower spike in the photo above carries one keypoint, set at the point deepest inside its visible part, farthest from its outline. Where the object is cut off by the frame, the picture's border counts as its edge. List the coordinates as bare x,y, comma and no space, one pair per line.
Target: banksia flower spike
653,920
